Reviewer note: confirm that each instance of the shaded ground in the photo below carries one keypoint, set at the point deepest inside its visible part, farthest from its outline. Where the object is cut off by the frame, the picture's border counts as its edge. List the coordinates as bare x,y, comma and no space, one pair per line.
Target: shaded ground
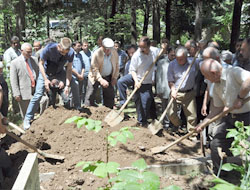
50,132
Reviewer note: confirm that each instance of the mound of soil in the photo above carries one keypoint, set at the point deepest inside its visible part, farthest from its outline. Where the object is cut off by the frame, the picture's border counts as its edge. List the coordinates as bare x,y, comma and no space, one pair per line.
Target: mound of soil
51,134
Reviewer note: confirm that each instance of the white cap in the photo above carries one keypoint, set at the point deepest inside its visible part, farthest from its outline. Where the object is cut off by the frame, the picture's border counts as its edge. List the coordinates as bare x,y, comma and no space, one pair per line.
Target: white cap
226,55
108,43
1,64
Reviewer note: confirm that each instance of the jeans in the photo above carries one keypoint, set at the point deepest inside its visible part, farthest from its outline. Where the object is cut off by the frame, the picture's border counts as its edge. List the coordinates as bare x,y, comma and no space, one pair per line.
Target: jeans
143,100
122,84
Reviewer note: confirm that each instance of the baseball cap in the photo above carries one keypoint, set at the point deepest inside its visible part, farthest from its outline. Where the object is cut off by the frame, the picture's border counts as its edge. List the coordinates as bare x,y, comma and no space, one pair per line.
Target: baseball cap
108,43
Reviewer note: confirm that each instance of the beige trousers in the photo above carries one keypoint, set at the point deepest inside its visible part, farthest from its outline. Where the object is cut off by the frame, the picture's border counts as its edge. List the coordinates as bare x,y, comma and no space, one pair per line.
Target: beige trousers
188,103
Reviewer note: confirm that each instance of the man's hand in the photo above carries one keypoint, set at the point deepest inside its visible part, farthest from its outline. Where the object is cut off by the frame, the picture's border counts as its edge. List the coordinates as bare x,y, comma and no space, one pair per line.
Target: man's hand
204,110
137,84
47,84
113,82
238,103
2,129
80,77
198,128
18,98
104,83
61,85
173,93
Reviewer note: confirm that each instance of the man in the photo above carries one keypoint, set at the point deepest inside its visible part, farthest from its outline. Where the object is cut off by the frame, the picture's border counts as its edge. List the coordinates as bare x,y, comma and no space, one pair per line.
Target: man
244,57
4,95
77,75
186,94
191,47
99,44
122,57
140,63
162,87
37,49
13,52
23,74
127,80
53,58
232,86
104,71
86,56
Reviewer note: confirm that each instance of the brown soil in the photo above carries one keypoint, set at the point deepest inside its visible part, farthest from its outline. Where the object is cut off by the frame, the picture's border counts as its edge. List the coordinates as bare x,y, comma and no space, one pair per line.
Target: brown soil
52,135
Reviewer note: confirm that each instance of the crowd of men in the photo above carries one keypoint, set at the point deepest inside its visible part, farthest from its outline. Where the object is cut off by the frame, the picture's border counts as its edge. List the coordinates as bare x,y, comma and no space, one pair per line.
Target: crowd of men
216,80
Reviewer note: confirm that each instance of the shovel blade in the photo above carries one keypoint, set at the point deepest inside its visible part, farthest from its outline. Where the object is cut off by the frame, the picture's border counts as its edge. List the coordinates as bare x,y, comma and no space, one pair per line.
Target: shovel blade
113,118
155,127
51,156
158,149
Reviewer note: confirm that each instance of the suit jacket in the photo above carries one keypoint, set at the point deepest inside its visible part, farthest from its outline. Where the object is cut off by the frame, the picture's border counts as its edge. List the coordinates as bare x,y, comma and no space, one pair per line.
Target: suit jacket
97,65
19,77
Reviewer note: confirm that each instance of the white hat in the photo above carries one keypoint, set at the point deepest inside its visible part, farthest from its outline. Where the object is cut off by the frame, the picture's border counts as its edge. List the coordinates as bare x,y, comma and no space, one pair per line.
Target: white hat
108,43
1,64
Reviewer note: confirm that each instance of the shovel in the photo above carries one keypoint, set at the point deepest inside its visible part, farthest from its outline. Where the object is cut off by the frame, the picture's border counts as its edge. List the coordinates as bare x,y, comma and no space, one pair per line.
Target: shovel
156,126
159,149
114,118
46,155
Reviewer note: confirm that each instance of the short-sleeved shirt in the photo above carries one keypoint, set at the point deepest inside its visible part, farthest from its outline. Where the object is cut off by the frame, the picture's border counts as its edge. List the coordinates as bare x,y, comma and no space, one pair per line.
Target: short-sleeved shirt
141,62
87,61
226,91
54,61
176,73
78,63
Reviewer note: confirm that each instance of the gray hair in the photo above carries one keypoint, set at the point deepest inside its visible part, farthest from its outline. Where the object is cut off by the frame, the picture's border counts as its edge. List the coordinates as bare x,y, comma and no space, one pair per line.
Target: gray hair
25,45
181,51
65,43
211,52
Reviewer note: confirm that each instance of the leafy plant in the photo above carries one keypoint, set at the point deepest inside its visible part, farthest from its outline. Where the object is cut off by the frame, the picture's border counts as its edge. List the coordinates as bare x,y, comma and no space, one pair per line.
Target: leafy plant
90,124
240,147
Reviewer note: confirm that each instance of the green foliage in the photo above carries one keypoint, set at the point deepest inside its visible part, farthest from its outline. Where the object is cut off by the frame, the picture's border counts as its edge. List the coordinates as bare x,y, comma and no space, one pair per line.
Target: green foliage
90,124
240,147
120,136
172,187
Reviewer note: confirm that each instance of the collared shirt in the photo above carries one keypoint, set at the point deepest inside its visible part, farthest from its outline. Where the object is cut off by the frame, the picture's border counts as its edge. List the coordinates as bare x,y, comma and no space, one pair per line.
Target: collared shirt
107,66
141,62
122,58
226,91
176,73
126,70
87,61
10,54
162,86
54,61
31,68
78,63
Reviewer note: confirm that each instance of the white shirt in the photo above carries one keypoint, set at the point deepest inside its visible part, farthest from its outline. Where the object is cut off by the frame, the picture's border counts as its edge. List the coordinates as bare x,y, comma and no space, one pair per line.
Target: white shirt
141,62
226,92
33,71
10,54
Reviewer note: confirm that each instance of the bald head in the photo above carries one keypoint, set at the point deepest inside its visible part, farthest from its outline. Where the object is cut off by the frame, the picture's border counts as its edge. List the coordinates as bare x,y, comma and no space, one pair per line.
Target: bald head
211,69
212,53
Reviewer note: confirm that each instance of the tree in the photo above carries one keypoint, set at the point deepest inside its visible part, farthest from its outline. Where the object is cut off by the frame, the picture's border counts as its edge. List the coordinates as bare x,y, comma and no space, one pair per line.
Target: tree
198,20
133,22
236,24
146,17
156,21
168,19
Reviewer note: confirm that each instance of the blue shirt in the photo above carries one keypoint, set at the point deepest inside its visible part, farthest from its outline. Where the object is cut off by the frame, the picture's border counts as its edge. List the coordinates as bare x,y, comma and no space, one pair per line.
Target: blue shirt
87,61
54,61
78,63
126,71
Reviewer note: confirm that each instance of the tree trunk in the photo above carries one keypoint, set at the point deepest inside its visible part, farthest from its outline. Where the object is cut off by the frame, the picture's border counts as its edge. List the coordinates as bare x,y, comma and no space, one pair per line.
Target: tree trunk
236,24
113,12
198,20
168,19
48,26
156,21
20,19
146,18
133,22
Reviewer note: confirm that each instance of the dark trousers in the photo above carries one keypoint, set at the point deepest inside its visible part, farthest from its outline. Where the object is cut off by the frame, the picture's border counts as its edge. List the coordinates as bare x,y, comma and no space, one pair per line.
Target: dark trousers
220,139
52,97
123,83
107,93
143,100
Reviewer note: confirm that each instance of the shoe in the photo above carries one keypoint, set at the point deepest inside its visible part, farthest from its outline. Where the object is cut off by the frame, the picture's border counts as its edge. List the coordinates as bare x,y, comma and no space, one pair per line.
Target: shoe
145,125
26,124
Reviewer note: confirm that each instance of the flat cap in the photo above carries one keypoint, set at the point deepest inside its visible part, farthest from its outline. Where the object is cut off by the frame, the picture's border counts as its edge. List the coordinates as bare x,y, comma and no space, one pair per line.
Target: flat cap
108,43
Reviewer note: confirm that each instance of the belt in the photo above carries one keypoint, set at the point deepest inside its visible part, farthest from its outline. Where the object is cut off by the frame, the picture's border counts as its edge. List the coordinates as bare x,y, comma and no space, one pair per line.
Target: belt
185,91
235,115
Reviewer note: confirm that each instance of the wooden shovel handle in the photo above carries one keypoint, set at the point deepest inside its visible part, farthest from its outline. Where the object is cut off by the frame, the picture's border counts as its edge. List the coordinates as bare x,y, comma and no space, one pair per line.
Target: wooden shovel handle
205,124
145,75
178,88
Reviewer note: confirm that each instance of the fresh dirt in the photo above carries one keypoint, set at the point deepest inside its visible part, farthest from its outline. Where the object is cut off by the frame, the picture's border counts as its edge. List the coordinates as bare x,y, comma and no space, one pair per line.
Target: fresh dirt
51,134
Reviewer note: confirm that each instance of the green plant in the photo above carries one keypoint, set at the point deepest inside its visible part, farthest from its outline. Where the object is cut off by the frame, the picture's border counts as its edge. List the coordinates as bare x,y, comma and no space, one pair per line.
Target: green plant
240,147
